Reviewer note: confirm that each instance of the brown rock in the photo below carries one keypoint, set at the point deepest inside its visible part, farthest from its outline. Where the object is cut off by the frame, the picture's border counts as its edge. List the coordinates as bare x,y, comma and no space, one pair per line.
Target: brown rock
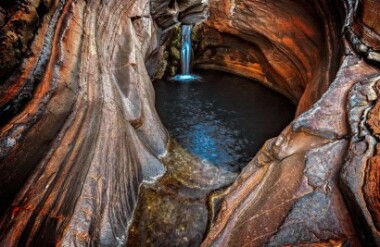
85,159
286,49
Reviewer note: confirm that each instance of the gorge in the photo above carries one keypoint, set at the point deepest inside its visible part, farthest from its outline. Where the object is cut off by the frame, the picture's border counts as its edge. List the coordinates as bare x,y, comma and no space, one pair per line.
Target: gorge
85,159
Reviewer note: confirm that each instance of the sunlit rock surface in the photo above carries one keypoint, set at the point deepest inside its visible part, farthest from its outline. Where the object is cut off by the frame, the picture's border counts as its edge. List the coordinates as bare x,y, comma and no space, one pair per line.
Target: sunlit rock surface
84,156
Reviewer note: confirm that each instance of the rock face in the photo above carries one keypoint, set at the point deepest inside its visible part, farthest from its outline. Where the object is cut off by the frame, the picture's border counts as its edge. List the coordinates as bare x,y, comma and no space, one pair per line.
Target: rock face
85,160
294,49
168,13
303,185
74,155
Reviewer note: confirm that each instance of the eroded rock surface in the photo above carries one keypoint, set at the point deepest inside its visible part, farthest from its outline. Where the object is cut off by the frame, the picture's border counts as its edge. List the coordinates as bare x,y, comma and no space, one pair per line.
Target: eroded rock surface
77,151
168,13
293,49
85,160
329,145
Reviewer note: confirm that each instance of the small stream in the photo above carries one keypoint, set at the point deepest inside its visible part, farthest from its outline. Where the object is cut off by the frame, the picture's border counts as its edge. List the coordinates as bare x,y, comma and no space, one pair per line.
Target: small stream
224,119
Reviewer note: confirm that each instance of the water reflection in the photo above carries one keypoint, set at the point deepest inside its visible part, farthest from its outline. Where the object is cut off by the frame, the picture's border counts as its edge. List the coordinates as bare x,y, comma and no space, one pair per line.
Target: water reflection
224,119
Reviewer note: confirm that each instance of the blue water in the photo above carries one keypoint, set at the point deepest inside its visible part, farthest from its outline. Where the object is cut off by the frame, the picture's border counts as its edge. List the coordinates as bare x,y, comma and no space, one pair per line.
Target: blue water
185,49
224,119
186,78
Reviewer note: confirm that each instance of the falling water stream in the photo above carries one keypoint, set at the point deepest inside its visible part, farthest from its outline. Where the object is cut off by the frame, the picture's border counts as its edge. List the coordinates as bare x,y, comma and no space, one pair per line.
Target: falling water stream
221,118
186,53
224,119
185,49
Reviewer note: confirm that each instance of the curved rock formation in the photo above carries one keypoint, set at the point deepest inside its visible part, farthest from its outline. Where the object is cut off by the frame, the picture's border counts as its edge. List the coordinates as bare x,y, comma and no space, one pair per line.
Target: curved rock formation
295,50
80,145
293,191
85,160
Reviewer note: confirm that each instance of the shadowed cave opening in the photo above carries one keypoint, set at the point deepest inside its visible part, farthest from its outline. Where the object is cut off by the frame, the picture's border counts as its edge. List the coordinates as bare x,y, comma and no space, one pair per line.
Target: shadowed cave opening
223,119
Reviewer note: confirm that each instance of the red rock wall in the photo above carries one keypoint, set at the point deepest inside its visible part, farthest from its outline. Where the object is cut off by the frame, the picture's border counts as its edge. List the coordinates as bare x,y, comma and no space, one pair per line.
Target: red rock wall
292,47
79,132
317,182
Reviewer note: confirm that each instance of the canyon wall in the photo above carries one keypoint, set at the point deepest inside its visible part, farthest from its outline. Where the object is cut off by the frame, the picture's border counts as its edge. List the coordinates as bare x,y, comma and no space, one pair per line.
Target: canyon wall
318,181
295,49
79,134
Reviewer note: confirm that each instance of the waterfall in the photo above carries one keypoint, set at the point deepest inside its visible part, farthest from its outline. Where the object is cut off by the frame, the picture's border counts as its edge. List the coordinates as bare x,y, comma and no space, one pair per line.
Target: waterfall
186,53
185,49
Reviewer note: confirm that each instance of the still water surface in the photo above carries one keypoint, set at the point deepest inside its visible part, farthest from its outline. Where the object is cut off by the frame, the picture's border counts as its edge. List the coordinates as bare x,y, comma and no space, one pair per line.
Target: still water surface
224,119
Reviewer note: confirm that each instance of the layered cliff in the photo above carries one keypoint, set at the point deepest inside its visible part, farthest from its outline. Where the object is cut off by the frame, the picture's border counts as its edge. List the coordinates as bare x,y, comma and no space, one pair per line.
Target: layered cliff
79,132
85,160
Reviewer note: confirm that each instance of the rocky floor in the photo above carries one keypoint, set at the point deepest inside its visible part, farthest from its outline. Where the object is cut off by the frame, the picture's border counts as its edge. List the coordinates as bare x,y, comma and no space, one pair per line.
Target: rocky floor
177,210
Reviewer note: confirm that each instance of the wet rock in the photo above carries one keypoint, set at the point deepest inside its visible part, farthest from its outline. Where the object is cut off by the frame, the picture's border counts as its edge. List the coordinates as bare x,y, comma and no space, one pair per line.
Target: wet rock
174,210
174,52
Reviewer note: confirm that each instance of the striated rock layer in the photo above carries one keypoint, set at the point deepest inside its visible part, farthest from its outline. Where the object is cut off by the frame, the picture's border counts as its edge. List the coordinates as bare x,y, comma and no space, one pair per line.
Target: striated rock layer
317,182
292,47
85,160
87,136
